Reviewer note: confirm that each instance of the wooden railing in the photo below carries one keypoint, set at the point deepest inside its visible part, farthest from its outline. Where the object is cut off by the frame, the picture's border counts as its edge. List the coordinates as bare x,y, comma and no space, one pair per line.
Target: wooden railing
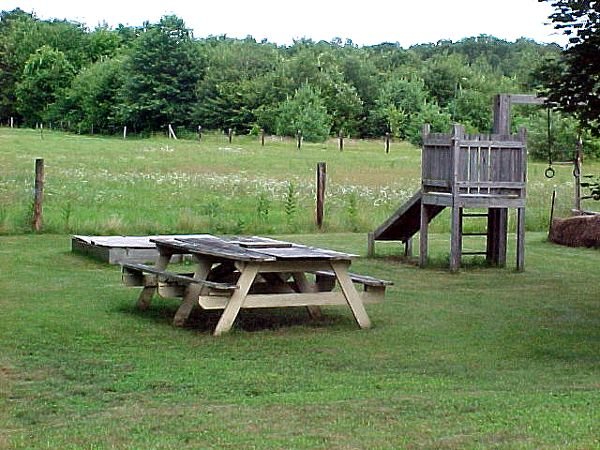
486,165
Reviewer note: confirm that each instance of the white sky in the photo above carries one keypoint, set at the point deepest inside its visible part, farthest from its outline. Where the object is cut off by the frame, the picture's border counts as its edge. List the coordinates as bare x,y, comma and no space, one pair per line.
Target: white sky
365,22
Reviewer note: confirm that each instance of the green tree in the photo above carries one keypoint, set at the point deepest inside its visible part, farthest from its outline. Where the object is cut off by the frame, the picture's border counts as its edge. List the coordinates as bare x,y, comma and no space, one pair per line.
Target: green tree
243,85
306,112
400,100
46,75
21,35
92,100
17,42
573,80
443,74
320,65
162,70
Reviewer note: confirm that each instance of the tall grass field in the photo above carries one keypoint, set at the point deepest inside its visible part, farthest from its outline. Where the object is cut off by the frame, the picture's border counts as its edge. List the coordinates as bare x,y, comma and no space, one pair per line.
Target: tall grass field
99,185
486,358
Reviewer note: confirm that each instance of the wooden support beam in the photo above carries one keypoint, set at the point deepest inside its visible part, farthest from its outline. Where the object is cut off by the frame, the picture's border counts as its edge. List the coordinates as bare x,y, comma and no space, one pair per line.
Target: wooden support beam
38,200
321,183
371,245
424,231
520,239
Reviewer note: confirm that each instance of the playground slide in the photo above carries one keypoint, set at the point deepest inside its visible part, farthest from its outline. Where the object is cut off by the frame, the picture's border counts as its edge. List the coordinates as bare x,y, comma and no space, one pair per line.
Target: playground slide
405,222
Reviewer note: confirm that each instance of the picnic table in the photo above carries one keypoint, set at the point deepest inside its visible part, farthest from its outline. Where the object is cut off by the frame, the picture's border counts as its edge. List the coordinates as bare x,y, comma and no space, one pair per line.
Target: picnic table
252,272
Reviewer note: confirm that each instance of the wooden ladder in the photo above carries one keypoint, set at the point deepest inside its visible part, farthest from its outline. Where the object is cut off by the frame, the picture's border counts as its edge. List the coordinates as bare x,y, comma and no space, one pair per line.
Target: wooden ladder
476,215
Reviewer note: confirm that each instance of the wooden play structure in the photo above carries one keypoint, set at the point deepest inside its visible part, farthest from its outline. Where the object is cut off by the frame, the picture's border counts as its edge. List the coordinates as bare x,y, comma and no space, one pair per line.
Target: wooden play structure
463,172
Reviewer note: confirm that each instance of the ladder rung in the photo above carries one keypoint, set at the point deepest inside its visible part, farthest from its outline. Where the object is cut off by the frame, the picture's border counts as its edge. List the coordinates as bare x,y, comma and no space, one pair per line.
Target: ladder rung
475,215
473,253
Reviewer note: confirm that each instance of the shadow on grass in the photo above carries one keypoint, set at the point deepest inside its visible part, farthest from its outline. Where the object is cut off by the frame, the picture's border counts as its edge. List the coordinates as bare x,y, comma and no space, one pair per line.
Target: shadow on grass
250,320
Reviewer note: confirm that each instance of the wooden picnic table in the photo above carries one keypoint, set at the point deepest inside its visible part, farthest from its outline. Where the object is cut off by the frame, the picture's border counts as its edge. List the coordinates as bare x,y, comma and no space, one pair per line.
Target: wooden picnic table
252,272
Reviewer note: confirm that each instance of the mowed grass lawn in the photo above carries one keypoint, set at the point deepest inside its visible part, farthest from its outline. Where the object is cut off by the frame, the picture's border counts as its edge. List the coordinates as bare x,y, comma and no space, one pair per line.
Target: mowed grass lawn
487,358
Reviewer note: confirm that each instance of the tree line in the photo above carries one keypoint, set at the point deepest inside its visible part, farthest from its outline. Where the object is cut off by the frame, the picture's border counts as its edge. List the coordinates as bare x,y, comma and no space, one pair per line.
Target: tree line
157,74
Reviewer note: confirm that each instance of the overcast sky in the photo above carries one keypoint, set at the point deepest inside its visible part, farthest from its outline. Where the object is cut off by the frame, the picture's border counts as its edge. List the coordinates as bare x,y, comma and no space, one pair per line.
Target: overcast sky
365,22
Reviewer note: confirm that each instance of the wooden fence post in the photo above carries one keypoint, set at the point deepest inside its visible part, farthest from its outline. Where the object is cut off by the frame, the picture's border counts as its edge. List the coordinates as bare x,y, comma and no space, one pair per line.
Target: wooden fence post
230,134
262,137
199,132
299,139
371,244
12,122
577,163
38,198
172,133
387,142
321,183
125,132
341,138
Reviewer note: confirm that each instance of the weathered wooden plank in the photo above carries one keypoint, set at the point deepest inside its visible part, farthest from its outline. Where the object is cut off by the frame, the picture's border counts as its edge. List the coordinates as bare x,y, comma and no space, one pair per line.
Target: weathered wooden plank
213,247
436,183
494,143
191,293
525,99
486,184
237,299
521,239
255,301
163,275
302,252
352,298
356,278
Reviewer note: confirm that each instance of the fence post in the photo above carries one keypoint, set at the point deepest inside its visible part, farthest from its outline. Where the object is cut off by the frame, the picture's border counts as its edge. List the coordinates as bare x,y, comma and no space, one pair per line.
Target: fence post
341,138
370,244
577,174
38,198
199,132
172,133
321,182
299,139
125,132
230,134
387,142
262,137
12,122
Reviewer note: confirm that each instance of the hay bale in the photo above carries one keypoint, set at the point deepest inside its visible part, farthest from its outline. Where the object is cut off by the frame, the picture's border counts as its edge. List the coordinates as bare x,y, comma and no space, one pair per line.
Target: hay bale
578,231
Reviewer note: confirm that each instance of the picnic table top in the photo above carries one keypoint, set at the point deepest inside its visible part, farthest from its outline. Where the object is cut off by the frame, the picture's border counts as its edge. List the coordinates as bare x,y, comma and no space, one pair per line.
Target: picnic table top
248,248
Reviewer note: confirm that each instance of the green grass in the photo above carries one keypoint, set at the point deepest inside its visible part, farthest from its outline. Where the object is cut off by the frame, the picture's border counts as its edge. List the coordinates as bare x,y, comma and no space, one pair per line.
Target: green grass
102,185
488,358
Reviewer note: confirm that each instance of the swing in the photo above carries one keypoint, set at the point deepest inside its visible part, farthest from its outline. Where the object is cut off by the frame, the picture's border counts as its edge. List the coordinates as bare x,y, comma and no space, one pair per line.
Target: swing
549,173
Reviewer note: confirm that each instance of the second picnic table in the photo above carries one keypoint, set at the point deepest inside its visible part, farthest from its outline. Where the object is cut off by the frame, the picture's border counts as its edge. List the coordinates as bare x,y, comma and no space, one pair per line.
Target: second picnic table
252,272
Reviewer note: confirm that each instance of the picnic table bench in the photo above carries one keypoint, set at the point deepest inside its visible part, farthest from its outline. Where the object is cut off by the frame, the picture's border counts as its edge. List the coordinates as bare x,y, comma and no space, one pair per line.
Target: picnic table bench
252,272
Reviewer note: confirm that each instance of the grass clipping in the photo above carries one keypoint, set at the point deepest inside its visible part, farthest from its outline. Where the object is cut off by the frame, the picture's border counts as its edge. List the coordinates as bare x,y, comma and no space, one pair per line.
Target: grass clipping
578,231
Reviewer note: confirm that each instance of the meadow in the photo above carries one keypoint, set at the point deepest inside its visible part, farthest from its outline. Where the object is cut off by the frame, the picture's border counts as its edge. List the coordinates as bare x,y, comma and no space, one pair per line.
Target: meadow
486,358
100,185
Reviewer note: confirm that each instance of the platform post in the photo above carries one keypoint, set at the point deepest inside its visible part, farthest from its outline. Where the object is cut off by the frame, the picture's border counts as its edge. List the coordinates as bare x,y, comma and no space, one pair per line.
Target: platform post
520,239
424,231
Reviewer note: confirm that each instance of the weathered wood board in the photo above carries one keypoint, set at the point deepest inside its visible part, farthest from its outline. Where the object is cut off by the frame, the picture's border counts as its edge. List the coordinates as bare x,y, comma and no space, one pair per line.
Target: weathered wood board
119,249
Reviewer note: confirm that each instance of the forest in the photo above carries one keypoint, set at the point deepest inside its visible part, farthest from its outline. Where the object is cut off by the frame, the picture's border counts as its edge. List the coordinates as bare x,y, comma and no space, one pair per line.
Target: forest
61,74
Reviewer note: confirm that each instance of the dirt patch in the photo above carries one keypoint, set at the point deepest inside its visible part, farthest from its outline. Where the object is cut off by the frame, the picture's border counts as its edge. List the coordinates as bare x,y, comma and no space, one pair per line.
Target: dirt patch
578,231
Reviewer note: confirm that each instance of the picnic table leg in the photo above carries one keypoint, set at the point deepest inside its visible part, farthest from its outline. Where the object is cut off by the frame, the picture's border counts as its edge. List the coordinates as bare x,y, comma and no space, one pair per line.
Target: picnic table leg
352,297
192,292
304,286
247,276
145,297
